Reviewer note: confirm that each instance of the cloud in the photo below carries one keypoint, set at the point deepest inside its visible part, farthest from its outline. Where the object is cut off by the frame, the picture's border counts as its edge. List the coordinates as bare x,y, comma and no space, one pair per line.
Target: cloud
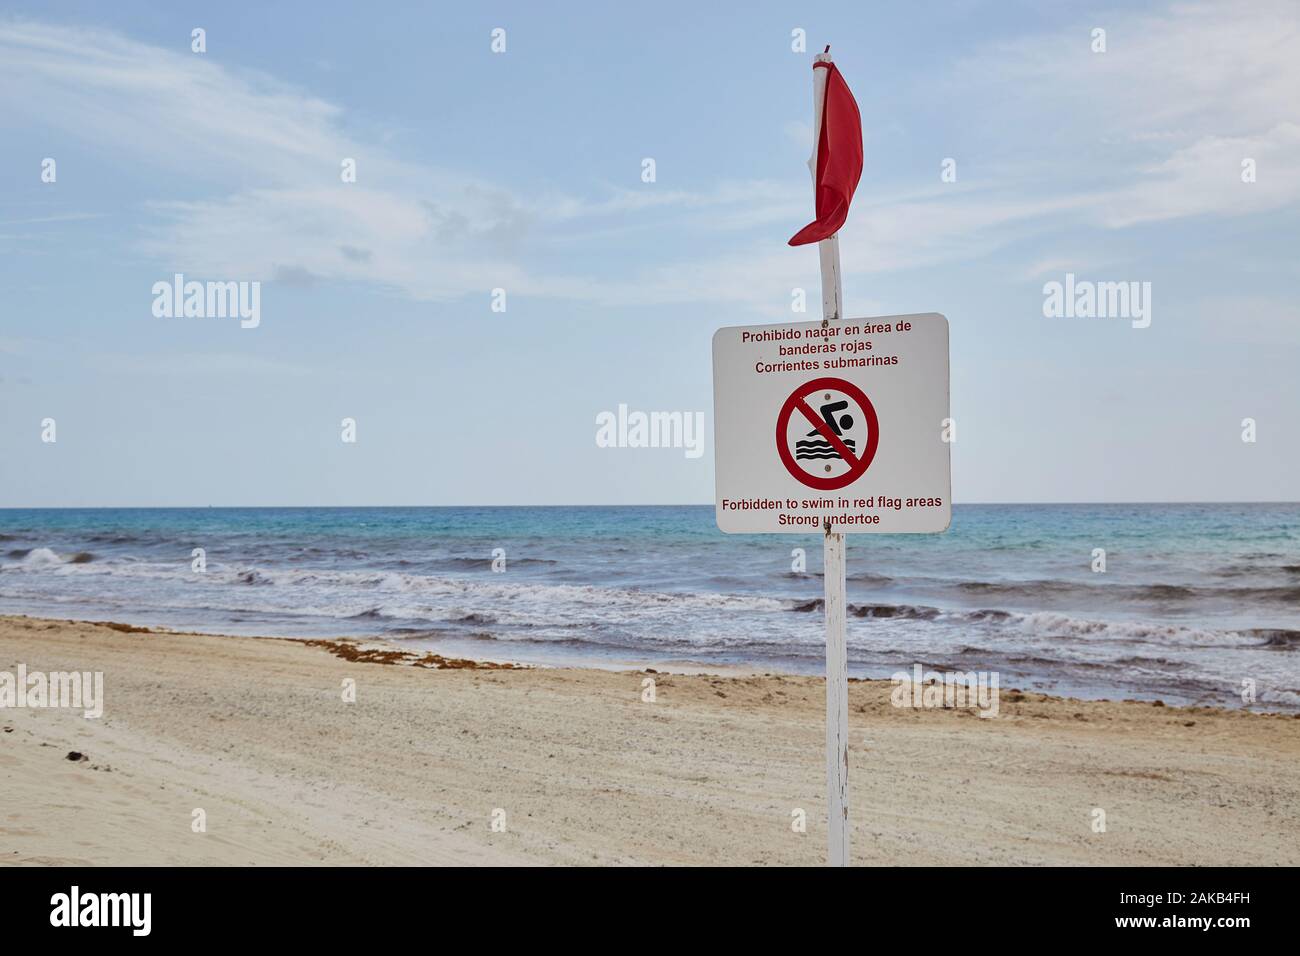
1189,92
1205,178
178,108
429,232
225,365
1179,73
1181,97
62,217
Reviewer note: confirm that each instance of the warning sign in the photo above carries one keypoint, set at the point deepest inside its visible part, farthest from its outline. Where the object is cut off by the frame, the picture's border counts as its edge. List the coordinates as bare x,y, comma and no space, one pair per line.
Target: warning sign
848,423
844,411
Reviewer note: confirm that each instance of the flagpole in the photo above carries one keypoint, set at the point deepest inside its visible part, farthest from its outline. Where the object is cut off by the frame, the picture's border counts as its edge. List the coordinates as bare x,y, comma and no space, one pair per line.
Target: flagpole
833,561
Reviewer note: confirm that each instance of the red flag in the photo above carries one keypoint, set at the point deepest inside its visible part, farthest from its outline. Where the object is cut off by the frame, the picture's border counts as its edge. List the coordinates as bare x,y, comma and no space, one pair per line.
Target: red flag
839,158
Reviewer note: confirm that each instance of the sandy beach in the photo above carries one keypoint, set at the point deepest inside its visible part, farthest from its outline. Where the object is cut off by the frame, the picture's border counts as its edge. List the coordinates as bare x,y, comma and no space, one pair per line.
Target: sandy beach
580,770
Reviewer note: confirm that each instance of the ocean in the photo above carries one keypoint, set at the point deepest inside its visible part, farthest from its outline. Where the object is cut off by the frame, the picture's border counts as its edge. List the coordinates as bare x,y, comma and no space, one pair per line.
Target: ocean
1197,602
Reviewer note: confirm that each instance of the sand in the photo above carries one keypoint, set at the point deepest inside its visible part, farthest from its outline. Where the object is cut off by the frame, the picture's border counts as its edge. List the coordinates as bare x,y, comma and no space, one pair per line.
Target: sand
580,770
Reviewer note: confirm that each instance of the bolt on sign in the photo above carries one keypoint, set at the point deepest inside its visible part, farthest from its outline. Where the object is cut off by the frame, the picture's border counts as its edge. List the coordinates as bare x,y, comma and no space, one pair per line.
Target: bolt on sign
842,422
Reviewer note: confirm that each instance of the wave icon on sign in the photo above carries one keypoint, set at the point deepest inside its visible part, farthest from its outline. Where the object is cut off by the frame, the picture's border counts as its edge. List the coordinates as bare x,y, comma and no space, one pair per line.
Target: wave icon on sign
820,449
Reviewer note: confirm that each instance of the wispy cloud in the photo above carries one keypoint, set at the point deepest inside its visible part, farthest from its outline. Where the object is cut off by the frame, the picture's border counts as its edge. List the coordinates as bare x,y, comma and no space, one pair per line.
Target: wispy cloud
224,365
1173,73
1185,93
1193,90
64,217
427,231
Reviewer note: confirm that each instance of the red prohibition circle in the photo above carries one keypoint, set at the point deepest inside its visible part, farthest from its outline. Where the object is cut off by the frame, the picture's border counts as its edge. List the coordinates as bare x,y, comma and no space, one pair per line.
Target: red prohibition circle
857,466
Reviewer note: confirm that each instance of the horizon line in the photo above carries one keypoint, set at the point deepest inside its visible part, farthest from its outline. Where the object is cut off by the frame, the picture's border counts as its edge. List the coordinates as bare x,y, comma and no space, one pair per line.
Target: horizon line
955,504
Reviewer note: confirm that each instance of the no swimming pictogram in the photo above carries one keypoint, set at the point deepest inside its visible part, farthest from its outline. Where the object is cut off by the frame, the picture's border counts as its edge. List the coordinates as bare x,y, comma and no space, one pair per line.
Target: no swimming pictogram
839,447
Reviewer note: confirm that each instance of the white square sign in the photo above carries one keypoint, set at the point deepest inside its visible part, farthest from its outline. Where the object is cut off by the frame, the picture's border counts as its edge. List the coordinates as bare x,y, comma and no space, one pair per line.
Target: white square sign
847,423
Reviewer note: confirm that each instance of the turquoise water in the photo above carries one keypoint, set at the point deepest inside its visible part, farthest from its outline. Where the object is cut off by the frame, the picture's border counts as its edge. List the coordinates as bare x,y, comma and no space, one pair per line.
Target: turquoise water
1194,599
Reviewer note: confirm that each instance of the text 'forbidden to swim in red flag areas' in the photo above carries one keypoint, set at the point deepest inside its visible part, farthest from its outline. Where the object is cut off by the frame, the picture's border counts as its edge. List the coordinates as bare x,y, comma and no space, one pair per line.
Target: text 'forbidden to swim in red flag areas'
839,158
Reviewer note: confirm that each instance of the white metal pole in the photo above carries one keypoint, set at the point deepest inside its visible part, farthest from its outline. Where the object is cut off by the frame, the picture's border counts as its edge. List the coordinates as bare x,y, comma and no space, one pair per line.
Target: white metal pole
837,703
833,559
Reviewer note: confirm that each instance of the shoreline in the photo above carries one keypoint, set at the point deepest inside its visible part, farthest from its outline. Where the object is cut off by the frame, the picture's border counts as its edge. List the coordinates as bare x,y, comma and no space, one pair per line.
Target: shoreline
462,649
583,769
1199,607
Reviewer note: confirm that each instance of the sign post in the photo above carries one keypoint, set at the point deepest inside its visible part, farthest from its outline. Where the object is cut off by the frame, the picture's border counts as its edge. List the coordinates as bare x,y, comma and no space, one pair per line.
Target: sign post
834,427
837,700
833,571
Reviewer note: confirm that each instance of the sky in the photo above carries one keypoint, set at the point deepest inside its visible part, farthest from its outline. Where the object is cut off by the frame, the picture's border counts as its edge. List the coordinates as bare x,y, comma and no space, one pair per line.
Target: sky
522,170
